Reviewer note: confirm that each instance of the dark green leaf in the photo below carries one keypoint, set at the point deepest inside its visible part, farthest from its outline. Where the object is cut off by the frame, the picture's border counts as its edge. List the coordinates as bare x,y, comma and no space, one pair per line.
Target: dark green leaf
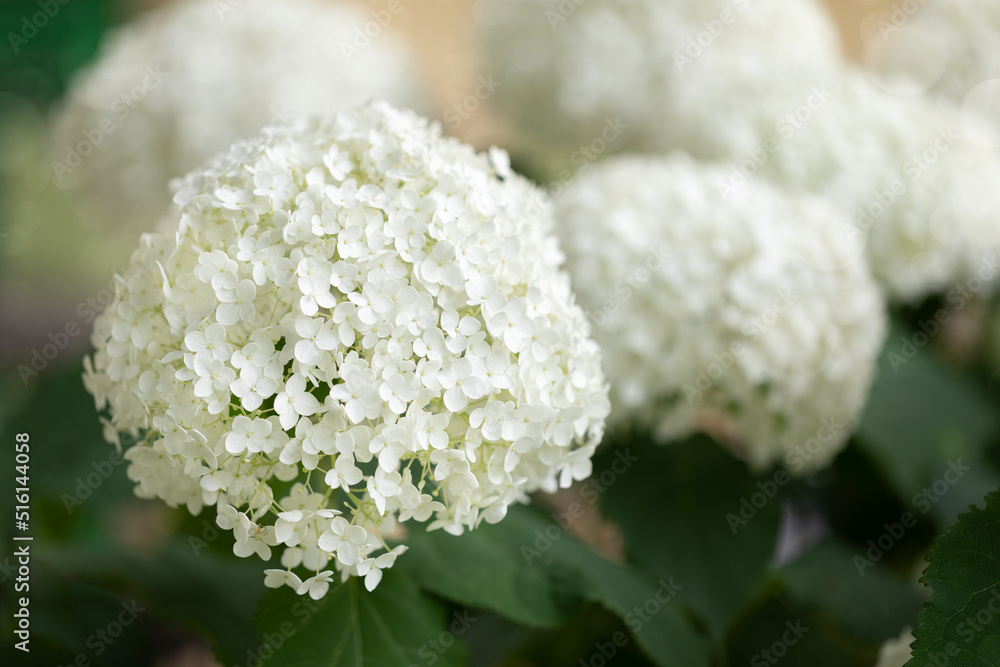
529,569
393,626
687,511
869,603
961,622
922,415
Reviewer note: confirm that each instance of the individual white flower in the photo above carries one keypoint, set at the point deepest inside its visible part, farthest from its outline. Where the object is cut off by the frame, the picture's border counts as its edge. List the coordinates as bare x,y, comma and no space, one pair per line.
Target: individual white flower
252,539
345,540
317,585
371,568
386,384
295,401
248,435
181,83
755,312
279,578
896,652
650,75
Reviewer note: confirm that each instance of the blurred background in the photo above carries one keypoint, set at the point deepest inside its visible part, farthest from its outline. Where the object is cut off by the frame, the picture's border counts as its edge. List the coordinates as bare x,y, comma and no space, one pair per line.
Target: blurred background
51,263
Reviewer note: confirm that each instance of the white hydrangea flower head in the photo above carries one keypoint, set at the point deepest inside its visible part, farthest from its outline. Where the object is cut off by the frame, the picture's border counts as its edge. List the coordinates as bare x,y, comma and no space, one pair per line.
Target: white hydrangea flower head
356,306
183,82
947,47
756,312
681,74
896,652
923,195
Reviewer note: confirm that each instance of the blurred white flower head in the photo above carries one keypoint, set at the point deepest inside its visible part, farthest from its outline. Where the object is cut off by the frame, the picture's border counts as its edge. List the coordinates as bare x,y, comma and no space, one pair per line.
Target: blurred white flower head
679,74
753,316
921,194
179,84
947,47
355,304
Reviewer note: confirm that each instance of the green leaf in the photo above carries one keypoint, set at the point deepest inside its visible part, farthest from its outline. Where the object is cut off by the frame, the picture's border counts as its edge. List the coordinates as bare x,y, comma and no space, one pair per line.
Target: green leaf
686,511
873,605
211,595
530,570
483,569
393,626
782,632
921,415
662,625
961,622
